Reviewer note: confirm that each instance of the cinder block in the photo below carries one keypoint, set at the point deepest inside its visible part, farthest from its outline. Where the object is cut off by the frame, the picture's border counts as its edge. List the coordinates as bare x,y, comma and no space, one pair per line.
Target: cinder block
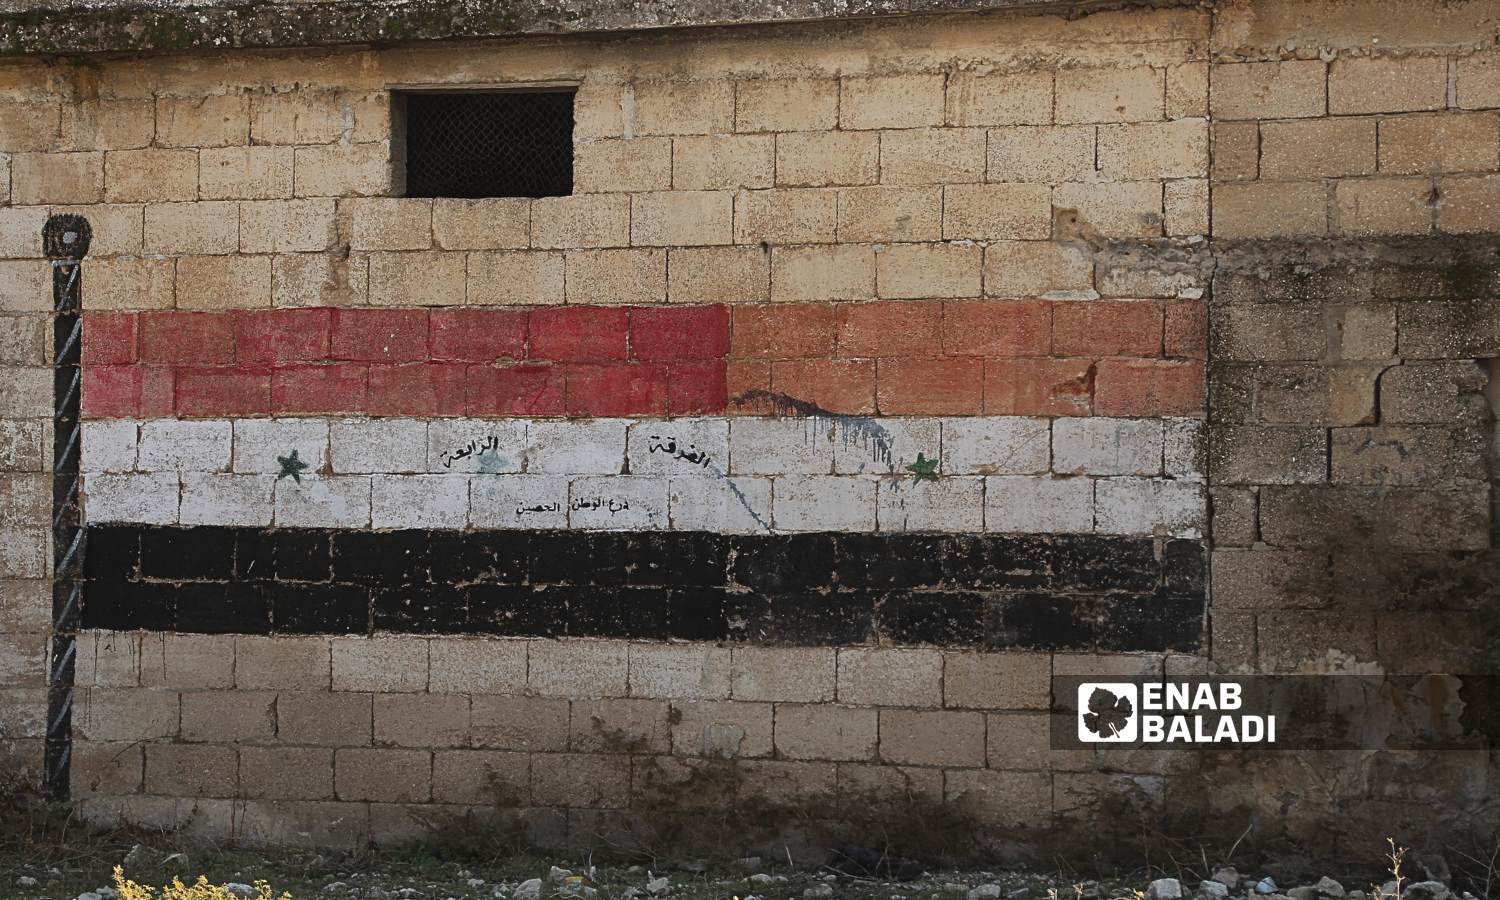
593,447
891,447
284,662
684,107
581,780
795,674
188,661
716,162
221,499
932,737
1317,147
1236,150
1294,89
637,164
1140,505
286,773
1452,142
1115,209
492,224
932,156
1270,209
207,227
581,221
1010,211
342,170
341,501
466,446
429,278
389,223
1472,205
481,777
170,444
297,117
245,173
108,446
780,446
216,120
914,271
1369,206
786,104
115,661
534,724
192,770
1265,454
421,720
1177,149
419,501
1374,85
827,158
616,276
996,445
614,726
1009,98
719,503
57,178
29,124
1010,680
808,215
1048,155
324,719
149,499
462,666
679,672
950,504
105,768
891,101
258,443
150,176
399,776
379,664
1187,90
519,501
1021,797
287,226
1034,268
1038,504
365,446
497,278
578,669
824,503
1185,203
890,677
718,275
618,502
668,218
220,282
823,731
890,214
724,729
228,716
1114,95
308,279
1096,445
126,714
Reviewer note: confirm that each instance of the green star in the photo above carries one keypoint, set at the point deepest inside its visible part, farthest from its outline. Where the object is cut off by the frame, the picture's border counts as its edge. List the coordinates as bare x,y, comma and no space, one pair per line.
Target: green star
291,466
925,469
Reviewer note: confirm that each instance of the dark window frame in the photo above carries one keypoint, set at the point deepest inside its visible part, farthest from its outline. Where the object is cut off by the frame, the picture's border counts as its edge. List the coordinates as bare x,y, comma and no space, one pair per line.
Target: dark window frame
507,167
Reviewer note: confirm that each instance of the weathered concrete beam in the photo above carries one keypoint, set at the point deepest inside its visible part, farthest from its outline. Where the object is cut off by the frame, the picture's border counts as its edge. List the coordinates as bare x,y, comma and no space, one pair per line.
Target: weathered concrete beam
170,25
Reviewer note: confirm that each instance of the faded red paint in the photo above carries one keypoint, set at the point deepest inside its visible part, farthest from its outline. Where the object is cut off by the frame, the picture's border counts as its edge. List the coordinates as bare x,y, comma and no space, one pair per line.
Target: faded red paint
956,357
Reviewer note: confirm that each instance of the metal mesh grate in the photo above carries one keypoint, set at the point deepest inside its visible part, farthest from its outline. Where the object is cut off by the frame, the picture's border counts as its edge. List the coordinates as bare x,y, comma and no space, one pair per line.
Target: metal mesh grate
471,144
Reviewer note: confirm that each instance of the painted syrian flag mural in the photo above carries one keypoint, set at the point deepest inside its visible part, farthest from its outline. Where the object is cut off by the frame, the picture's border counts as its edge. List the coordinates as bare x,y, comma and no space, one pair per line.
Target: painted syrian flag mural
991,473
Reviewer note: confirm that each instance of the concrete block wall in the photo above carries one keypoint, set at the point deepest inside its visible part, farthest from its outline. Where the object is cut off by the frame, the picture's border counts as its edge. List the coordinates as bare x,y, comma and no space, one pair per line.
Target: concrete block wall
1163,242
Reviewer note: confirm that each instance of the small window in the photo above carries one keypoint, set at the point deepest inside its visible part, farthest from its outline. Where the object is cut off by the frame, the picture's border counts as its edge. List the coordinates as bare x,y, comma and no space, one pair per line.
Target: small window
487,143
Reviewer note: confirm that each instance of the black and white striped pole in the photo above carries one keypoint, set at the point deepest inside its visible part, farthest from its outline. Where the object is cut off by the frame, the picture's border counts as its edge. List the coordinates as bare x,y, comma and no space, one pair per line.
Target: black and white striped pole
65,240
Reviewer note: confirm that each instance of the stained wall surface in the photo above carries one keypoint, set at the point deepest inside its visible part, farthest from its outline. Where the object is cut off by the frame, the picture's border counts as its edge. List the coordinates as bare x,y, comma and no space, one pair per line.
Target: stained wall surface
863,385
